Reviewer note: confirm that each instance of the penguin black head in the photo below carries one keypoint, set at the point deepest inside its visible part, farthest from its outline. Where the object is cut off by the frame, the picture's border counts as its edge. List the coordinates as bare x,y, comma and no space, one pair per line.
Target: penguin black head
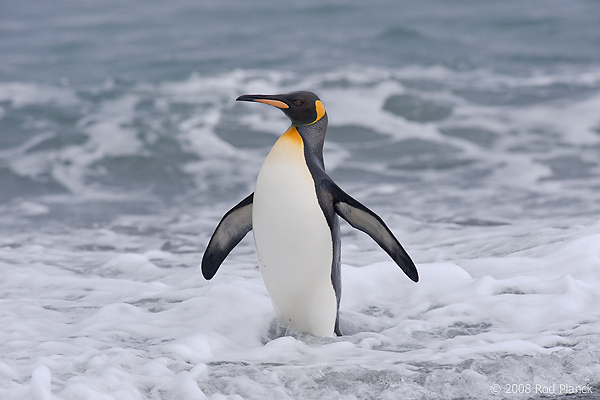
302,108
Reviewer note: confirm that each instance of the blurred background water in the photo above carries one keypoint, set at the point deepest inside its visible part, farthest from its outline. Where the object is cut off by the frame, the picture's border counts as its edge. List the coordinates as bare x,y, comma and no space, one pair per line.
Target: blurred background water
472,127
120,99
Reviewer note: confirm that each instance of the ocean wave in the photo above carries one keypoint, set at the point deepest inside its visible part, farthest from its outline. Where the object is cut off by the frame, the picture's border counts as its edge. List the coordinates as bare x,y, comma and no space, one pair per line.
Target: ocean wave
187,137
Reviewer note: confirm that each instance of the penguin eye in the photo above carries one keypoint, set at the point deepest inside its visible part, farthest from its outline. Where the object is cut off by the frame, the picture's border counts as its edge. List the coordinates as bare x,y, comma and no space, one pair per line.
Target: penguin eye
297,102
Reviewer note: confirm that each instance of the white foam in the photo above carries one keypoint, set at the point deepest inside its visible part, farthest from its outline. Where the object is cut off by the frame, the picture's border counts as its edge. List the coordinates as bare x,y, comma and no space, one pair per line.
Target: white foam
509,264
132,329
21,94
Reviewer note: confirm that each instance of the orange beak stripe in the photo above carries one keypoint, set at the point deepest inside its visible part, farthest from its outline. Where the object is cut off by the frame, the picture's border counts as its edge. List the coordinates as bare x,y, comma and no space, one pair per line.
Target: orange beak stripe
274,103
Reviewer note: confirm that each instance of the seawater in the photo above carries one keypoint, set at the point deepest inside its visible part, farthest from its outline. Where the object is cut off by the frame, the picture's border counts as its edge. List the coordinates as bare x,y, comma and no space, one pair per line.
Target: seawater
473,129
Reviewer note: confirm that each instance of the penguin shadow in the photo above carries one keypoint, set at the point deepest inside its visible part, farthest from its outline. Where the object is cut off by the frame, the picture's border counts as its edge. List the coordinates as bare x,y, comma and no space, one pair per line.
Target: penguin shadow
276,331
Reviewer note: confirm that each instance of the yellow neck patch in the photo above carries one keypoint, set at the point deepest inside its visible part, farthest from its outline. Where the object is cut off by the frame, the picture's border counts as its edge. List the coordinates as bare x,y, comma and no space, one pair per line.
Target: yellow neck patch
320,111
288,148
291,136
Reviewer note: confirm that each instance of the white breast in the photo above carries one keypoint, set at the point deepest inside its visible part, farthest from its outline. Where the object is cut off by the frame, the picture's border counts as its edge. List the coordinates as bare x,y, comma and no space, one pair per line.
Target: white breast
293,240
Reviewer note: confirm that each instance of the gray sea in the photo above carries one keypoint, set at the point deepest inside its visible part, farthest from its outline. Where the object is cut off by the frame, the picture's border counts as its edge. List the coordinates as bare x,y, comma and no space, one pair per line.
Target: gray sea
471,127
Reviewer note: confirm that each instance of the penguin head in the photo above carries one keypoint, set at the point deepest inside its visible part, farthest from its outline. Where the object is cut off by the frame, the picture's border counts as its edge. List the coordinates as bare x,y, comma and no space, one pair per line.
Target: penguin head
302,108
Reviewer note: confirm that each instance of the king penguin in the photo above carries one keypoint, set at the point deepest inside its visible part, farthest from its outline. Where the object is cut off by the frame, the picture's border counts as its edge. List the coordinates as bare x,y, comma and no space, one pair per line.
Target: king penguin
293,215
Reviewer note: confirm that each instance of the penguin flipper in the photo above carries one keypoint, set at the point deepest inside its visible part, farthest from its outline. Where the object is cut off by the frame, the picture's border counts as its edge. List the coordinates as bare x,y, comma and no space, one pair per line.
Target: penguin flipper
234,225
363,219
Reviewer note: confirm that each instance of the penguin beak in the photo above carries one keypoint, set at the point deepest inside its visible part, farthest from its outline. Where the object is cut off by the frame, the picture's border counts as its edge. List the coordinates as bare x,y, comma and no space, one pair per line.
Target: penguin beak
274,101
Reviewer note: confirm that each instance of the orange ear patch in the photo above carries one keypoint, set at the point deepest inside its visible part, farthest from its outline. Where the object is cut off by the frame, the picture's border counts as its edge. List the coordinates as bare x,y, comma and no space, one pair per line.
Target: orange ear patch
274,103
320,111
